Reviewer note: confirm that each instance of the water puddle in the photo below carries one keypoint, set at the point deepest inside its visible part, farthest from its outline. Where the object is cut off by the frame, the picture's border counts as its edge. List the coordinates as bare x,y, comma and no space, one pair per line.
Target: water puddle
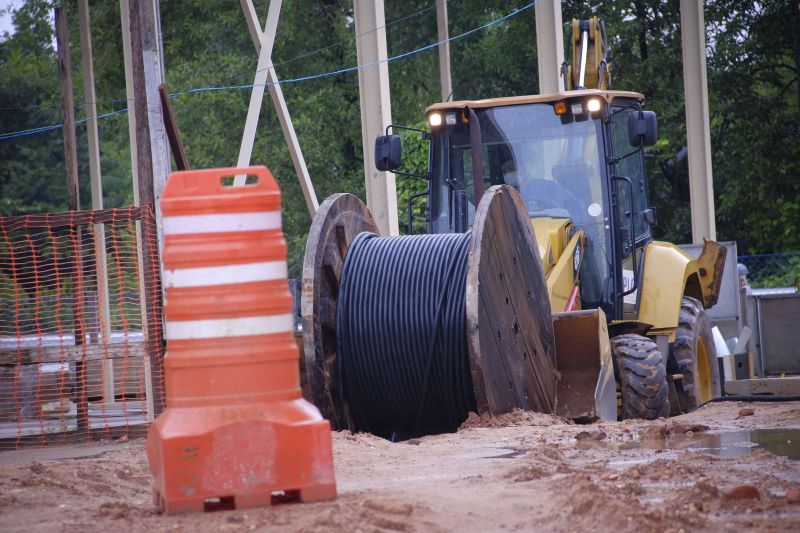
785,442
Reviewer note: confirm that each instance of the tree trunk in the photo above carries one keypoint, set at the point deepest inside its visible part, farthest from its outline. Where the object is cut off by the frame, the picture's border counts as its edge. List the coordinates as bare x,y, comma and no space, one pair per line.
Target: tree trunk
797,52
641,14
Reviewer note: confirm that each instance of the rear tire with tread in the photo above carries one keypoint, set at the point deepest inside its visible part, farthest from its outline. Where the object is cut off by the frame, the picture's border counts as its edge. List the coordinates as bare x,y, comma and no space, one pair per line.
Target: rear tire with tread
694,339
642,376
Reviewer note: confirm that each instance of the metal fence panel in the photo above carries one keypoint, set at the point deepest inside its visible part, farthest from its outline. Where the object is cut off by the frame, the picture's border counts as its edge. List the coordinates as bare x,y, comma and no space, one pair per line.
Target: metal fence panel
779,333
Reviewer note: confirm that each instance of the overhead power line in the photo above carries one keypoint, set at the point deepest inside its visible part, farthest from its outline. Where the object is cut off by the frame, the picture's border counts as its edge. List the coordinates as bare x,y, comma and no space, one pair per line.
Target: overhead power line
309,77
228,80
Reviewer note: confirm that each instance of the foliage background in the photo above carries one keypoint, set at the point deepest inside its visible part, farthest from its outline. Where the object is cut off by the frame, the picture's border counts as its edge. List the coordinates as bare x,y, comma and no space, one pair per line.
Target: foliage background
753,54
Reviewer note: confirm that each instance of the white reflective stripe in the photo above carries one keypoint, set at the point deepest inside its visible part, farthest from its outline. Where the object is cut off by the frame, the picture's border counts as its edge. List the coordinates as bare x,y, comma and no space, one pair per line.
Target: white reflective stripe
225,275
229,327
224,222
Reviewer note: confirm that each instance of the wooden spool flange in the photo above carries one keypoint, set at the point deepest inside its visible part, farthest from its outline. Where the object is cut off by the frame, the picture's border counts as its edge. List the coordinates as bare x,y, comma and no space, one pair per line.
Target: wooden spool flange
508,322
338,220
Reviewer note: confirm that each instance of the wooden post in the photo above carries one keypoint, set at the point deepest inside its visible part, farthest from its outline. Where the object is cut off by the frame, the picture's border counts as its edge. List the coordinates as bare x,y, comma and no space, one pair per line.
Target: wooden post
151,292
100,304
124,10
257,95
797,50
276,93
173,133
67,107
149,30
143,150
73,197
445,80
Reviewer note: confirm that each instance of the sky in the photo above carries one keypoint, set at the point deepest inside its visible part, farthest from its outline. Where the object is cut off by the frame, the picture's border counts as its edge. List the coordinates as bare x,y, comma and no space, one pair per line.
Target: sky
5,18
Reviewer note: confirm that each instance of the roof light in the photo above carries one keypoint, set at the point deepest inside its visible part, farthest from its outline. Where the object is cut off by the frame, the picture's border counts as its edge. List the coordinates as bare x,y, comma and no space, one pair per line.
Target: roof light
435,119
577,109
450,119
593,105
560,108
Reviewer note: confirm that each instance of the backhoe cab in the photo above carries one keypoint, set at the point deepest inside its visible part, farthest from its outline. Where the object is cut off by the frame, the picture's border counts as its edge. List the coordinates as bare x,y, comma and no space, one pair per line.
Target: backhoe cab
577,159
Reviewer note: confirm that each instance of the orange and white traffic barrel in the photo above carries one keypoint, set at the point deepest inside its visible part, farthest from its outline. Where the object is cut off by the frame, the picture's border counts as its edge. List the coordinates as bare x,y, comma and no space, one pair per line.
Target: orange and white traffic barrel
236,429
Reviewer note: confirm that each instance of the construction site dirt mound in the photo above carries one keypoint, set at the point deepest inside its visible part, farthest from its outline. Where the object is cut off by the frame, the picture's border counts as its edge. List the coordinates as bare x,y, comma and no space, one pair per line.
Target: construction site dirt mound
525,472
516,417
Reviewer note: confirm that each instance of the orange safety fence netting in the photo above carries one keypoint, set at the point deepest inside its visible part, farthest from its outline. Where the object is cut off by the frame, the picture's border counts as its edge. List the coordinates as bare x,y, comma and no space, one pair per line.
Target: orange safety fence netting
81,351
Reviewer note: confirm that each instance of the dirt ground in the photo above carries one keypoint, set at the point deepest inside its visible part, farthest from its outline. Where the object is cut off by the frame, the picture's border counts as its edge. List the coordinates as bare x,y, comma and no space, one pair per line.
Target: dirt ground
523,472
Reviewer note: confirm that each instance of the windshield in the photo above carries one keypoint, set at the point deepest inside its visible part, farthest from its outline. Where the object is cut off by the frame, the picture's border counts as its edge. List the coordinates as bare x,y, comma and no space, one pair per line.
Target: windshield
554,163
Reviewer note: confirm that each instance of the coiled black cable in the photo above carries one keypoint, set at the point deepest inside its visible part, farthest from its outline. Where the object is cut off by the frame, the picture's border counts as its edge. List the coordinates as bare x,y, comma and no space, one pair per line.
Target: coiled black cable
402,361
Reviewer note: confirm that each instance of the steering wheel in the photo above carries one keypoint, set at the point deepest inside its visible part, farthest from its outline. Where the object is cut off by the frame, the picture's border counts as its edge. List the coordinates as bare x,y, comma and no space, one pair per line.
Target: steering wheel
540,203
551,193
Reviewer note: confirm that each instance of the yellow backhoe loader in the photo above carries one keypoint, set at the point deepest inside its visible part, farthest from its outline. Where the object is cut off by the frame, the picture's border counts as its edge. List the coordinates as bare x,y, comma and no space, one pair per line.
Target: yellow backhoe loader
627,310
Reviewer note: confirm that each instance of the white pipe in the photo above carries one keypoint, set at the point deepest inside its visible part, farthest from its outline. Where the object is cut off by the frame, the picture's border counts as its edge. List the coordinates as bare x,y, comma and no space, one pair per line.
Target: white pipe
584,49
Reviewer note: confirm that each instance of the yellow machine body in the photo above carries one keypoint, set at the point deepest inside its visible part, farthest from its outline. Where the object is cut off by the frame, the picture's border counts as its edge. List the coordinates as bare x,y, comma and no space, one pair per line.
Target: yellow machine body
667,273
586,389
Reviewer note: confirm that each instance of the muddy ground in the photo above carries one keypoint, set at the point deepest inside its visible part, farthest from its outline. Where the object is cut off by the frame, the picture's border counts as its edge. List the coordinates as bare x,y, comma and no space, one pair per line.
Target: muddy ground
526,472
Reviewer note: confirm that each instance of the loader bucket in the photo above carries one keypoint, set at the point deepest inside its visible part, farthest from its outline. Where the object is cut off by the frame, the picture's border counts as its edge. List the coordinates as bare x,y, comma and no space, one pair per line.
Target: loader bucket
587,390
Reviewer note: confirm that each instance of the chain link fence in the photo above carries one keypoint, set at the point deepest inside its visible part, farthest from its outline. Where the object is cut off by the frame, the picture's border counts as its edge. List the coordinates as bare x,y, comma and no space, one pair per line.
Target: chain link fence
772,270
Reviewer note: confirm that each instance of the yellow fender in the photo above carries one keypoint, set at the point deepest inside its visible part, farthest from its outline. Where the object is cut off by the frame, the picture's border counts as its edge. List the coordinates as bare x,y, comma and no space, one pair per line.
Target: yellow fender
669,274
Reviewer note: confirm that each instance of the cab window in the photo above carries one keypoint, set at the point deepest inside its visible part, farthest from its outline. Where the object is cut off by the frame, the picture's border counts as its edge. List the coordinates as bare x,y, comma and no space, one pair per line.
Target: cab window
629,163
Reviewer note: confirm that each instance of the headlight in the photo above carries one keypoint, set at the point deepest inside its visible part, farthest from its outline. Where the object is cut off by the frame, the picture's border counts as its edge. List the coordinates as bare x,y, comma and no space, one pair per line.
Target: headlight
435,119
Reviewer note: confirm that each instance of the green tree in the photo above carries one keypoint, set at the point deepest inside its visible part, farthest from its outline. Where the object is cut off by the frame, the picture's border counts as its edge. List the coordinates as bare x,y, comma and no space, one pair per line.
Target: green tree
753,51
31,167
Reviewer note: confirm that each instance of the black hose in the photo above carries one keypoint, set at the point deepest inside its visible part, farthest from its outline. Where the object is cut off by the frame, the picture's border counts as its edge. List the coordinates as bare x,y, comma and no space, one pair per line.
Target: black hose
753,398
402,361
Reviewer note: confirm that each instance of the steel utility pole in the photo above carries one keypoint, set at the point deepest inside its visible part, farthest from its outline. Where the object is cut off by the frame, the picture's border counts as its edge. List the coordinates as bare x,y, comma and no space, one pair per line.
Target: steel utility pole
376,109
549,46
695,85
444,50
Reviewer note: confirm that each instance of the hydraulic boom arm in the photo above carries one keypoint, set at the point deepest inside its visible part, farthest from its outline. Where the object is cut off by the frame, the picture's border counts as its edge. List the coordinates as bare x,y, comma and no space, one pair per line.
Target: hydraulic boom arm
587,49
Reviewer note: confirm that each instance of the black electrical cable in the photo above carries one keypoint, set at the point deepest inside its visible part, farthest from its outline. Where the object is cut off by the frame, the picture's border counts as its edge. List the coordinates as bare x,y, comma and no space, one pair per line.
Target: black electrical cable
402,361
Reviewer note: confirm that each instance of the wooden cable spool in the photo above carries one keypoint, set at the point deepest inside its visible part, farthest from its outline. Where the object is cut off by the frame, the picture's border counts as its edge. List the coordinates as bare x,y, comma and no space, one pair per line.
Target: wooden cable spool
338,220
509,324
508,321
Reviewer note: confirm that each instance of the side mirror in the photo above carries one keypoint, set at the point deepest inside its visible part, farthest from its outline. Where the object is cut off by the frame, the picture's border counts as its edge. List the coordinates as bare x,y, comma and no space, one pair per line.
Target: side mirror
642,128
388,152
650,217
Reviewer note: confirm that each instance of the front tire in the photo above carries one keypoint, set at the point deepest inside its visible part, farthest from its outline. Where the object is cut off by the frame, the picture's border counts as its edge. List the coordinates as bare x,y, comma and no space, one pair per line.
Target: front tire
696,354
642,377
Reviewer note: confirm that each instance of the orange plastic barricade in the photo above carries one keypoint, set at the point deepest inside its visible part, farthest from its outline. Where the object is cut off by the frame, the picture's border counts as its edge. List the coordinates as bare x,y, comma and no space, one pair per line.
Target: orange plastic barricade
236,431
